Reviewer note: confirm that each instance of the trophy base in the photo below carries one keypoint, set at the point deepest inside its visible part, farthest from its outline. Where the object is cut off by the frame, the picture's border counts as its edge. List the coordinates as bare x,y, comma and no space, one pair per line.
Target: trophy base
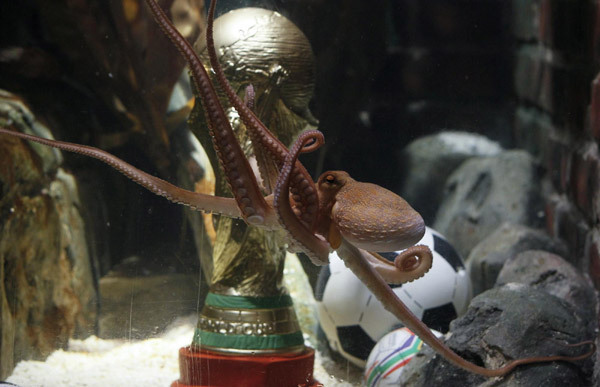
204,368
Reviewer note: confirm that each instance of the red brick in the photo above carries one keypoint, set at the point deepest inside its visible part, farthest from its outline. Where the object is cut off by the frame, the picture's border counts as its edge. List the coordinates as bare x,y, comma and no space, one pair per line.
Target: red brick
596,197
564,221
564,25
531,131
528,72
596,33
593,256
545,27
544,78
557,159
585,179
595,108
525,19
550,215
565,162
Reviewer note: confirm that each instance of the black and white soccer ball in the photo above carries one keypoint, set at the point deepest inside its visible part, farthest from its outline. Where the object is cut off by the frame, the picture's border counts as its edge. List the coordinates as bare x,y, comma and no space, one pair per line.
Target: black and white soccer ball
353,320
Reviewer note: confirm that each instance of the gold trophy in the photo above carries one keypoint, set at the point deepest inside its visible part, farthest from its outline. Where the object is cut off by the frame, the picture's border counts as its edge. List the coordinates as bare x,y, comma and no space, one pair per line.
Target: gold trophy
248,319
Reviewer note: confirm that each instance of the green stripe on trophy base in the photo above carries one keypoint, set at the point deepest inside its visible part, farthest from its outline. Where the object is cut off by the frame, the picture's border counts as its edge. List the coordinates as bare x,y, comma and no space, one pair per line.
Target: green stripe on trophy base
247,343
238,324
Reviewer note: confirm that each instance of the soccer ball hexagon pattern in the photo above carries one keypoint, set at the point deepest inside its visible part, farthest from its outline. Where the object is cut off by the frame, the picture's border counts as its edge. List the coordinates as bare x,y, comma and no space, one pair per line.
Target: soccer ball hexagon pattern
353,320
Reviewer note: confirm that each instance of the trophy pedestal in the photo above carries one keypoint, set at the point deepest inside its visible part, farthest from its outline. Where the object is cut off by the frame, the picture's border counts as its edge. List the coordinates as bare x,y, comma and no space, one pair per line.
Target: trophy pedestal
249,342
203,368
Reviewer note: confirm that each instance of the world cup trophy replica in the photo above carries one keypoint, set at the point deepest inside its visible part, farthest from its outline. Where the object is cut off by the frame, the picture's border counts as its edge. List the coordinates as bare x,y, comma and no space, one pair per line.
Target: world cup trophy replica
248,332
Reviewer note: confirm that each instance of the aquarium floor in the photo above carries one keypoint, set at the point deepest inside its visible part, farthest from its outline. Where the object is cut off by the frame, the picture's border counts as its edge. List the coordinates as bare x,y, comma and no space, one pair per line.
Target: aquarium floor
129,359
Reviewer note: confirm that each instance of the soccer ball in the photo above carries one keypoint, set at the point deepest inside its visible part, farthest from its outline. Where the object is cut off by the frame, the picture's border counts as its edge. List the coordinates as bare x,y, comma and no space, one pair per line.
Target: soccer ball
389,356
353,320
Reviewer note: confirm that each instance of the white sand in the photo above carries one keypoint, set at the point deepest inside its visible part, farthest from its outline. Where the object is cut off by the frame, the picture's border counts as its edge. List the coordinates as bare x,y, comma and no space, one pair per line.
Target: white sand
95,362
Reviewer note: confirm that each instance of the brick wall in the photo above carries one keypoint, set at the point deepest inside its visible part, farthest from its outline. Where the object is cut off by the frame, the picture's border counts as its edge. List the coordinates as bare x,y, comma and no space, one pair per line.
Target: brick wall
557,117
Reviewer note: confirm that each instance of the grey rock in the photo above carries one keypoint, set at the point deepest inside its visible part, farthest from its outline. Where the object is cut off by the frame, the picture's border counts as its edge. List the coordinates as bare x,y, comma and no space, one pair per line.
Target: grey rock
64,191
488,256
14,110
429,160
510,322
485,192
552,274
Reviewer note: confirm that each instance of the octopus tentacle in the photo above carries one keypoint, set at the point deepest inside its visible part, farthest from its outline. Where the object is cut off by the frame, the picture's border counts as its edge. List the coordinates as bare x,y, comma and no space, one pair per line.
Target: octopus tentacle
316,249
409,265
198,201
302,185
358,262
237,170
343,219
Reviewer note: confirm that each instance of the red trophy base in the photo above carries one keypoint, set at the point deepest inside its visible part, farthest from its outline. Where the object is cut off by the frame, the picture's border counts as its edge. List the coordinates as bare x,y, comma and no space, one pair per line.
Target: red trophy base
204,368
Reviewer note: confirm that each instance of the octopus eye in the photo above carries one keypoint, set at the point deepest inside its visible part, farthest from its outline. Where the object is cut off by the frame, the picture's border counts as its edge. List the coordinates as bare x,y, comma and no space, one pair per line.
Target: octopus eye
330,179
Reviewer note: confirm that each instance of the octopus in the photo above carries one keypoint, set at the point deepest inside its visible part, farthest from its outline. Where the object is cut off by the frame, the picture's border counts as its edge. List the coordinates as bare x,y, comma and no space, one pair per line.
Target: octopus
334,213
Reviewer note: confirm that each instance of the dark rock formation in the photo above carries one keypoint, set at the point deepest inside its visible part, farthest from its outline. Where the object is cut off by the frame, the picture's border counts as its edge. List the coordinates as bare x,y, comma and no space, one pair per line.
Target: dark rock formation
554,275
510,322
485,192
489,255
428,161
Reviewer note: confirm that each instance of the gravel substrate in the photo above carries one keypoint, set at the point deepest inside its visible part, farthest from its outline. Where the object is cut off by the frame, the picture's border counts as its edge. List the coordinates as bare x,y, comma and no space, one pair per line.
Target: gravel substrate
95,362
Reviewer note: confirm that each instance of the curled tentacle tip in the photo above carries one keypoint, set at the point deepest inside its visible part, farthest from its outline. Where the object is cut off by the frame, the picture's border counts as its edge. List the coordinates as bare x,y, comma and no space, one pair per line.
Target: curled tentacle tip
581,344
589,343
407,264
311,140
410,261
309,143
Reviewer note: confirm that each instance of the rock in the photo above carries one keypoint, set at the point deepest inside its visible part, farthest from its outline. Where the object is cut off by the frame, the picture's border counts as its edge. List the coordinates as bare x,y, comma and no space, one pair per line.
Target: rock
488,256
510,322
47,291
429,160
15,111
552,274
484,192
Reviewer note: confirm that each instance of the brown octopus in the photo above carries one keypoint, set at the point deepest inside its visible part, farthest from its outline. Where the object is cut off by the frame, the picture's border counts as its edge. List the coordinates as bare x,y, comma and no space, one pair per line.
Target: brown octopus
337,212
